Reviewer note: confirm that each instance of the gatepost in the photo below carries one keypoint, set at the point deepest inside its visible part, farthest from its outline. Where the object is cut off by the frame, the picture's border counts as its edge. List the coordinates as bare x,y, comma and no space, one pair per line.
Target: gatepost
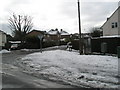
104,47
118,54
118,51
0,61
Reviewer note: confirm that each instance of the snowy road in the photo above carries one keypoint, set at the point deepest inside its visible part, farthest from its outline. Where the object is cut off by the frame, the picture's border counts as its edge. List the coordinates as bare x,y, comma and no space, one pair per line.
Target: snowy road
15,77
73,69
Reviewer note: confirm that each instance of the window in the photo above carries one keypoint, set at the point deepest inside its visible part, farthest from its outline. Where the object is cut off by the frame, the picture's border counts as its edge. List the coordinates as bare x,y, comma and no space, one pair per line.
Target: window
114,25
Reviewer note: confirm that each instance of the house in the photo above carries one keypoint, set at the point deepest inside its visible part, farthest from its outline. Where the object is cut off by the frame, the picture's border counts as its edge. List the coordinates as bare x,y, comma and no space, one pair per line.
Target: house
110,40
50,38
2,39
64,34
112,25
55,35
32,39
35,33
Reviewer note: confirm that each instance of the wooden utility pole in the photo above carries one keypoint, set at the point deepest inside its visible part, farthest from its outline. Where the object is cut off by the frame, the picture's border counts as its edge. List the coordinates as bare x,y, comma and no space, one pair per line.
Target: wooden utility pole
80,39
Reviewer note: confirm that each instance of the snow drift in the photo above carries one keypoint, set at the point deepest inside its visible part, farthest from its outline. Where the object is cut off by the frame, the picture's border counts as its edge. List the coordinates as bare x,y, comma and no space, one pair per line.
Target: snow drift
71,68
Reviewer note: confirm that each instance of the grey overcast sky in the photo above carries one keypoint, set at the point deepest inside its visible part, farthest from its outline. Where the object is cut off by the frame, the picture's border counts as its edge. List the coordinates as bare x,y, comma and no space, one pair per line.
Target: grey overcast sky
61,14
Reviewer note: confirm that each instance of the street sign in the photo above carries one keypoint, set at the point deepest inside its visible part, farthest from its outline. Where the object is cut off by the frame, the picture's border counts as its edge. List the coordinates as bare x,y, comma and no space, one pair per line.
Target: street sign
40,37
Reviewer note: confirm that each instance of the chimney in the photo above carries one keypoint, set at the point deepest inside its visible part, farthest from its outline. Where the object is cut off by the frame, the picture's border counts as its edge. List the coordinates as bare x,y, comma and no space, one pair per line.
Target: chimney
61,30
108,19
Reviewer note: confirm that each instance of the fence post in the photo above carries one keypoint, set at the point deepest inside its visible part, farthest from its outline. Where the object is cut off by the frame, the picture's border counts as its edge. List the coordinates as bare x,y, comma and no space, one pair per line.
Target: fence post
118,54
118,51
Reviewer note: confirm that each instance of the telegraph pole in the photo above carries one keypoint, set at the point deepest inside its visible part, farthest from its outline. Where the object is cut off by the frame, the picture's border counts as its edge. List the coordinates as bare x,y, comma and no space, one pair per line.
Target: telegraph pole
80,39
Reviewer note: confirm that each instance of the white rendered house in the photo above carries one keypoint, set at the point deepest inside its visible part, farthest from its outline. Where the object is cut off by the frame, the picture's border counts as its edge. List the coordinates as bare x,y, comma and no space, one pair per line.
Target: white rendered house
112,26
2,39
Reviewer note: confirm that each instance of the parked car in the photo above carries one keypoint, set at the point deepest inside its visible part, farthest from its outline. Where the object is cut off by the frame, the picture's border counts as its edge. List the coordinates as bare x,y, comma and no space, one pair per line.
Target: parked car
14,47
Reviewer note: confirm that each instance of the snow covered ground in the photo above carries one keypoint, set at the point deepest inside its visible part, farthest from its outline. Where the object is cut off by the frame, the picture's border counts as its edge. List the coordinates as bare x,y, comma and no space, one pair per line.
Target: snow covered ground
71,68
4,51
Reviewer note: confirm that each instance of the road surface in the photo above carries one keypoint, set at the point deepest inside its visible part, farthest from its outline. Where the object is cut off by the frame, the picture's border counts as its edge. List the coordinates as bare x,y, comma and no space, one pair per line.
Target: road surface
14,77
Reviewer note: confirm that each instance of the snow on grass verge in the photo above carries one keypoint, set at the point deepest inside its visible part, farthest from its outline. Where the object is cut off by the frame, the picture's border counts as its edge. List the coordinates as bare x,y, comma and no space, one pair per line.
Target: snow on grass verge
87,70
4,51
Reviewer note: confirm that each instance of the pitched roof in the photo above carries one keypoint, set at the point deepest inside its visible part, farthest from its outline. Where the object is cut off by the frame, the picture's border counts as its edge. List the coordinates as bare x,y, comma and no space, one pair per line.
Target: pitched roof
64,33
3,32
42,32
53,32
110,16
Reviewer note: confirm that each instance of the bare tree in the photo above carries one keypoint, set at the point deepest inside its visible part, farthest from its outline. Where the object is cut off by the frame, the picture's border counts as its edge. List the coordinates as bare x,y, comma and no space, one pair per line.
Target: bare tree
96,32
20,25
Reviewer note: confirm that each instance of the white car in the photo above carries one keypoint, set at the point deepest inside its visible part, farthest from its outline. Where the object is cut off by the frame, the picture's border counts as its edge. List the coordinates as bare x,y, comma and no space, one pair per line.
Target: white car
14,47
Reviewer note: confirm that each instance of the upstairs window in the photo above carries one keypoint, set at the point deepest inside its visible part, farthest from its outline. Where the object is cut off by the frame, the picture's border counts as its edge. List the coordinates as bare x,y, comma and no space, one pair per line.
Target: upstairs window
114,25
